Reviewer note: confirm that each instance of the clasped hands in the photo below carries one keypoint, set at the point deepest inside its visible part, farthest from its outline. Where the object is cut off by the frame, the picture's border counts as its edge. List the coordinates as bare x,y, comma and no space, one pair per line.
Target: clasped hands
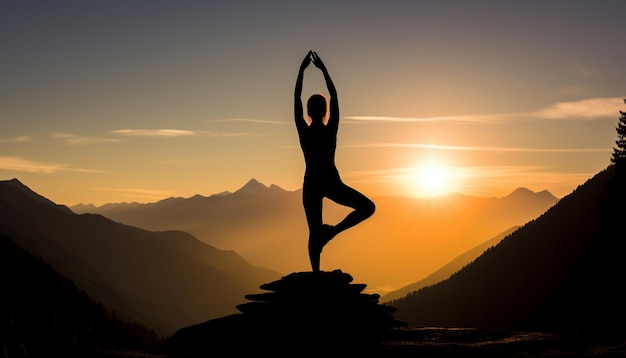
317,61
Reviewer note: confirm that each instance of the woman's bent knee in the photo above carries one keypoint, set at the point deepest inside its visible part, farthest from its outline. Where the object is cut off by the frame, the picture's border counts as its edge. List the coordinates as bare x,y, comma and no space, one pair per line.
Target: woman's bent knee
369,209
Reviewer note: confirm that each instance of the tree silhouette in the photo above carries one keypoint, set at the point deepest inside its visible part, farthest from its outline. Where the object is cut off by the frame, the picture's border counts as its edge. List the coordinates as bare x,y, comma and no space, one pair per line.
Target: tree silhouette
619,153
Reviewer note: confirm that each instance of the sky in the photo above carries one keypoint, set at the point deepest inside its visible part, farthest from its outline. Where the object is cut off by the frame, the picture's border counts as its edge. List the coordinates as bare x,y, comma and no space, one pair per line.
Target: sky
137,101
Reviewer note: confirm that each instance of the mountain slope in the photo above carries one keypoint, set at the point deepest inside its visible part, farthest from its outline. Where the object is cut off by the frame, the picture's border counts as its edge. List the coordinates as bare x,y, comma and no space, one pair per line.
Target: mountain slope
44,314
406,239
166,279
215,219
562,271
449,269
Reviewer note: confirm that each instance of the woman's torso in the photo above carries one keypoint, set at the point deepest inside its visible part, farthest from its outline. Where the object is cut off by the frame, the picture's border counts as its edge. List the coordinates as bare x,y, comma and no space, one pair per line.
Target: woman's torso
318,146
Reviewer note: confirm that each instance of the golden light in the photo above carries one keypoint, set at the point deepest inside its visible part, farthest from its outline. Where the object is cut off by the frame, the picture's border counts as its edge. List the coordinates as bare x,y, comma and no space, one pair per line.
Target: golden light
432,180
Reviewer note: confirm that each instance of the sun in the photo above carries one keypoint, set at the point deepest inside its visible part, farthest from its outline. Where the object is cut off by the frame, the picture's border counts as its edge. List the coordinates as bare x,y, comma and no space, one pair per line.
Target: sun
432,180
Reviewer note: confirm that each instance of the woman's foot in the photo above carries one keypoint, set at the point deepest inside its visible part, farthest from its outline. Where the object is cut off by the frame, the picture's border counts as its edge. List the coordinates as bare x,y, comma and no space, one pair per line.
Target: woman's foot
328,233
317,243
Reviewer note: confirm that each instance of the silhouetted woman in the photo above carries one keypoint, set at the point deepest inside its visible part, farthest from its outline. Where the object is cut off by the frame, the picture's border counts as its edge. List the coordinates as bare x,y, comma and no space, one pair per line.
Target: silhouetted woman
321,178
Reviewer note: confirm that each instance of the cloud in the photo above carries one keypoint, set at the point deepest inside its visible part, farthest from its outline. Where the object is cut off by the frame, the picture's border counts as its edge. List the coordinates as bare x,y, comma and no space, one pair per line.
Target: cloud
459,118
155,133
587,109
251,120
24,165
73,139
515,171
238,134
479,148
173,133
20,139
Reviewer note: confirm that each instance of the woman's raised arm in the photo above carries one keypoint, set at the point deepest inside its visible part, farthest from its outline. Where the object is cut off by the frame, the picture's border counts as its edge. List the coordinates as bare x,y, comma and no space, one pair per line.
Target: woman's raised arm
333,118
297,95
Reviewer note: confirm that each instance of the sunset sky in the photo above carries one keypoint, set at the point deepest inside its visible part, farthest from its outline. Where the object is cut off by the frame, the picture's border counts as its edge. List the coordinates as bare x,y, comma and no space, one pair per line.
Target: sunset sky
111,101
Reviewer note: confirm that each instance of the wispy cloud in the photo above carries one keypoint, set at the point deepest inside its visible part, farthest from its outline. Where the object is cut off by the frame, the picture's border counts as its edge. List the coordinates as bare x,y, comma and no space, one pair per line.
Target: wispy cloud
472,172
583,109
175,133
20,139
517,172
251,120
459,118
237,134
479,148
74,139
28,166
24,165
155,133
586,109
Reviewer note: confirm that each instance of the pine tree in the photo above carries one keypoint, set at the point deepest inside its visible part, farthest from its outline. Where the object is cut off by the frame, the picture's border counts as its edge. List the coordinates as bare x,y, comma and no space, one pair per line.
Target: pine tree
619,153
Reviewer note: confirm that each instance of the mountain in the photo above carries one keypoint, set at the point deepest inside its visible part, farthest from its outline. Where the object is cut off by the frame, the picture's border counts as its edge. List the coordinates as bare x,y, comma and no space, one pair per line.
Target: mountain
43,314
563,271
252,187
163,279
405,240
450,268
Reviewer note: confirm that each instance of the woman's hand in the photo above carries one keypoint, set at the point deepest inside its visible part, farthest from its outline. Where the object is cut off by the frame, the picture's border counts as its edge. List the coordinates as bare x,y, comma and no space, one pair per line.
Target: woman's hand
317,61
306,61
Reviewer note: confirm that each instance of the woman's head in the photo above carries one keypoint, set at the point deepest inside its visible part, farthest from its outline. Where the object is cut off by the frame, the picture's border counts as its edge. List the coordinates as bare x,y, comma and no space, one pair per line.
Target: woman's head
316,107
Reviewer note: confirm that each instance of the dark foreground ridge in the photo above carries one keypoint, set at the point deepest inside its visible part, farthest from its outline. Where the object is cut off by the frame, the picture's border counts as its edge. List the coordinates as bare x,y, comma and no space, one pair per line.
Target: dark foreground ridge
304,312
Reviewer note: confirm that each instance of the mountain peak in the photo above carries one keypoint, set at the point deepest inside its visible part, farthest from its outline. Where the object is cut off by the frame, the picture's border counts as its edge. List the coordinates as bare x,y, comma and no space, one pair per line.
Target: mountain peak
16,186
525,192
253,186
15,183
522,190
275,187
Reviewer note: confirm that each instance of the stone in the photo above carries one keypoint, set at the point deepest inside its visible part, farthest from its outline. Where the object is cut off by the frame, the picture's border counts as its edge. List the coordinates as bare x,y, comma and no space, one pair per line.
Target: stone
304,311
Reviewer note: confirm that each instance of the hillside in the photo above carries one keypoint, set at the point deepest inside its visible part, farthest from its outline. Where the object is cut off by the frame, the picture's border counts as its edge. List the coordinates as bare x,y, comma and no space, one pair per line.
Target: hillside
45,314
562,272
164,280
450,268
405,240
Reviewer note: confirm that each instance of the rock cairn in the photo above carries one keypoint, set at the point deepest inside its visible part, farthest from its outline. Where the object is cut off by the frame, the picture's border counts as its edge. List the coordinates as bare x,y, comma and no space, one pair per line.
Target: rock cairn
303,312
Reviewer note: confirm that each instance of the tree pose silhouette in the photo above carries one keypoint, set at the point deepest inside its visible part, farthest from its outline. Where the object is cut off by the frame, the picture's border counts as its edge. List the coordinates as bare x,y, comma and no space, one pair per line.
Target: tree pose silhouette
318,141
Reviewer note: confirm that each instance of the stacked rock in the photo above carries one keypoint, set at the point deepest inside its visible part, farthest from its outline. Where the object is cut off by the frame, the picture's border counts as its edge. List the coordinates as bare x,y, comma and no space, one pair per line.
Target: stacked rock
303,312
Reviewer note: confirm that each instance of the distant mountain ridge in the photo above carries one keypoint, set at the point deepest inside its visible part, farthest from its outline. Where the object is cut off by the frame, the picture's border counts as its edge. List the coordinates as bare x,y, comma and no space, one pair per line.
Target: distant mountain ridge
165,279
267,226
561,272
253,187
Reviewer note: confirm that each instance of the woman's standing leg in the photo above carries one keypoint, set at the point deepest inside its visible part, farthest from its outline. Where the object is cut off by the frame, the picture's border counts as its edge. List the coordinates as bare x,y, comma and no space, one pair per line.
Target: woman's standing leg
312,201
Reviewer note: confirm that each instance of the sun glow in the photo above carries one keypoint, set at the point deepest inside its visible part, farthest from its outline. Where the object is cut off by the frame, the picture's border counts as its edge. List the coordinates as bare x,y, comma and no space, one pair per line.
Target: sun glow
432,180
